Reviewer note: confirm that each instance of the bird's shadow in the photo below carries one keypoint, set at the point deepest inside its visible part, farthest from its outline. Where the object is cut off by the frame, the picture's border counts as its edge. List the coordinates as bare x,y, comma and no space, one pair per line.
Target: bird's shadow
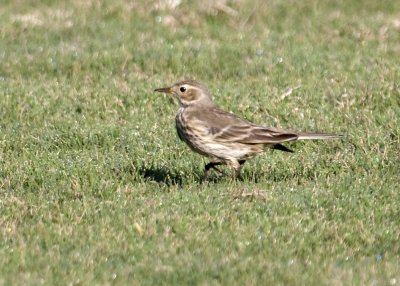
160,175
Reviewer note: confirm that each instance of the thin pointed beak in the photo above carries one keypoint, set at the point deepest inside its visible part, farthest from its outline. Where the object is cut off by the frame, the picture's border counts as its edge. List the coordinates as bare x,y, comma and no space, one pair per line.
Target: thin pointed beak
164,89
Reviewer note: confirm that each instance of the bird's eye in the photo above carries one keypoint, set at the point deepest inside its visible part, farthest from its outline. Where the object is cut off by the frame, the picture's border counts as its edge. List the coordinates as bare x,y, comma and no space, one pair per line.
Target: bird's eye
182,89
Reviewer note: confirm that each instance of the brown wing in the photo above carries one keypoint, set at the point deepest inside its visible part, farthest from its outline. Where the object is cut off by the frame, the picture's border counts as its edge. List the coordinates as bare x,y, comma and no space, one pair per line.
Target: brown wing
254,135
227,127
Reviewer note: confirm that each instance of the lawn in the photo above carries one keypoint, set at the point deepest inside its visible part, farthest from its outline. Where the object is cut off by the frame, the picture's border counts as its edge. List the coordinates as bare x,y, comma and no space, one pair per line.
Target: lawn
97,189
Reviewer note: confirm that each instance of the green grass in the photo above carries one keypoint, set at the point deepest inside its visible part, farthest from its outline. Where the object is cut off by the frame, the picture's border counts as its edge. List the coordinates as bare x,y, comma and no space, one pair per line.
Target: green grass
96,188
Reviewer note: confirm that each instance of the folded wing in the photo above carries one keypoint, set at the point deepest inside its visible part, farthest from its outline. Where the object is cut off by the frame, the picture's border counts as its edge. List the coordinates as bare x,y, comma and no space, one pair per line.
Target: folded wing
250,134
227,127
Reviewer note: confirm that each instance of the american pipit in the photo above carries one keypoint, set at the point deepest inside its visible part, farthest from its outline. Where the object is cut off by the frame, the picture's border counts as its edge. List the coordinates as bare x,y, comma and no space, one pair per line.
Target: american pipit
222,136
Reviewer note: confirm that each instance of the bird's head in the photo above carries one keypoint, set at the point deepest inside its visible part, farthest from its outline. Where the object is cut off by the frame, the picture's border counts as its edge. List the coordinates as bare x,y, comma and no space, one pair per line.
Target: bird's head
189,92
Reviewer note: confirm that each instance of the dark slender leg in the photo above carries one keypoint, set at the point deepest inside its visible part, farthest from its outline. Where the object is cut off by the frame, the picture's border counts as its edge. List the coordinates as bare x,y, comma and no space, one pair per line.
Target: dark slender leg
237,168
208,167
237,173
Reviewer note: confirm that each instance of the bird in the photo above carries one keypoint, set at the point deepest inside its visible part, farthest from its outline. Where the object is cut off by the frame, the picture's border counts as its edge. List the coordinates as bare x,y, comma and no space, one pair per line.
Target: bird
223,137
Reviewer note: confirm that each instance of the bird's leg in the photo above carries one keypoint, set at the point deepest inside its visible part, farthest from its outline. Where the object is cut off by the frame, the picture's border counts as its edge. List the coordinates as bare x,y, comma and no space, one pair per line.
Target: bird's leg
208,167
236,165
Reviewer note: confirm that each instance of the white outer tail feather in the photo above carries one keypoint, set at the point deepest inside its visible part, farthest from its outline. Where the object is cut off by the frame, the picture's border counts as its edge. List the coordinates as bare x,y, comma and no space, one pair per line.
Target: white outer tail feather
316,136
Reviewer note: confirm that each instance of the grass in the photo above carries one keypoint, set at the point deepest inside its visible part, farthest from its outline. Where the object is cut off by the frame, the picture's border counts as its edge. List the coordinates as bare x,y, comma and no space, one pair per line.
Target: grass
96,188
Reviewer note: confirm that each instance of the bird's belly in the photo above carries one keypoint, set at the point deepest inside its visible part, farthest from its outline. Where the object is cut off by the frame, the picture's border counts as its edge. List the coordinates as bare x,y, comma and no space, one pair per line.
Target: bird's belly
228,151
